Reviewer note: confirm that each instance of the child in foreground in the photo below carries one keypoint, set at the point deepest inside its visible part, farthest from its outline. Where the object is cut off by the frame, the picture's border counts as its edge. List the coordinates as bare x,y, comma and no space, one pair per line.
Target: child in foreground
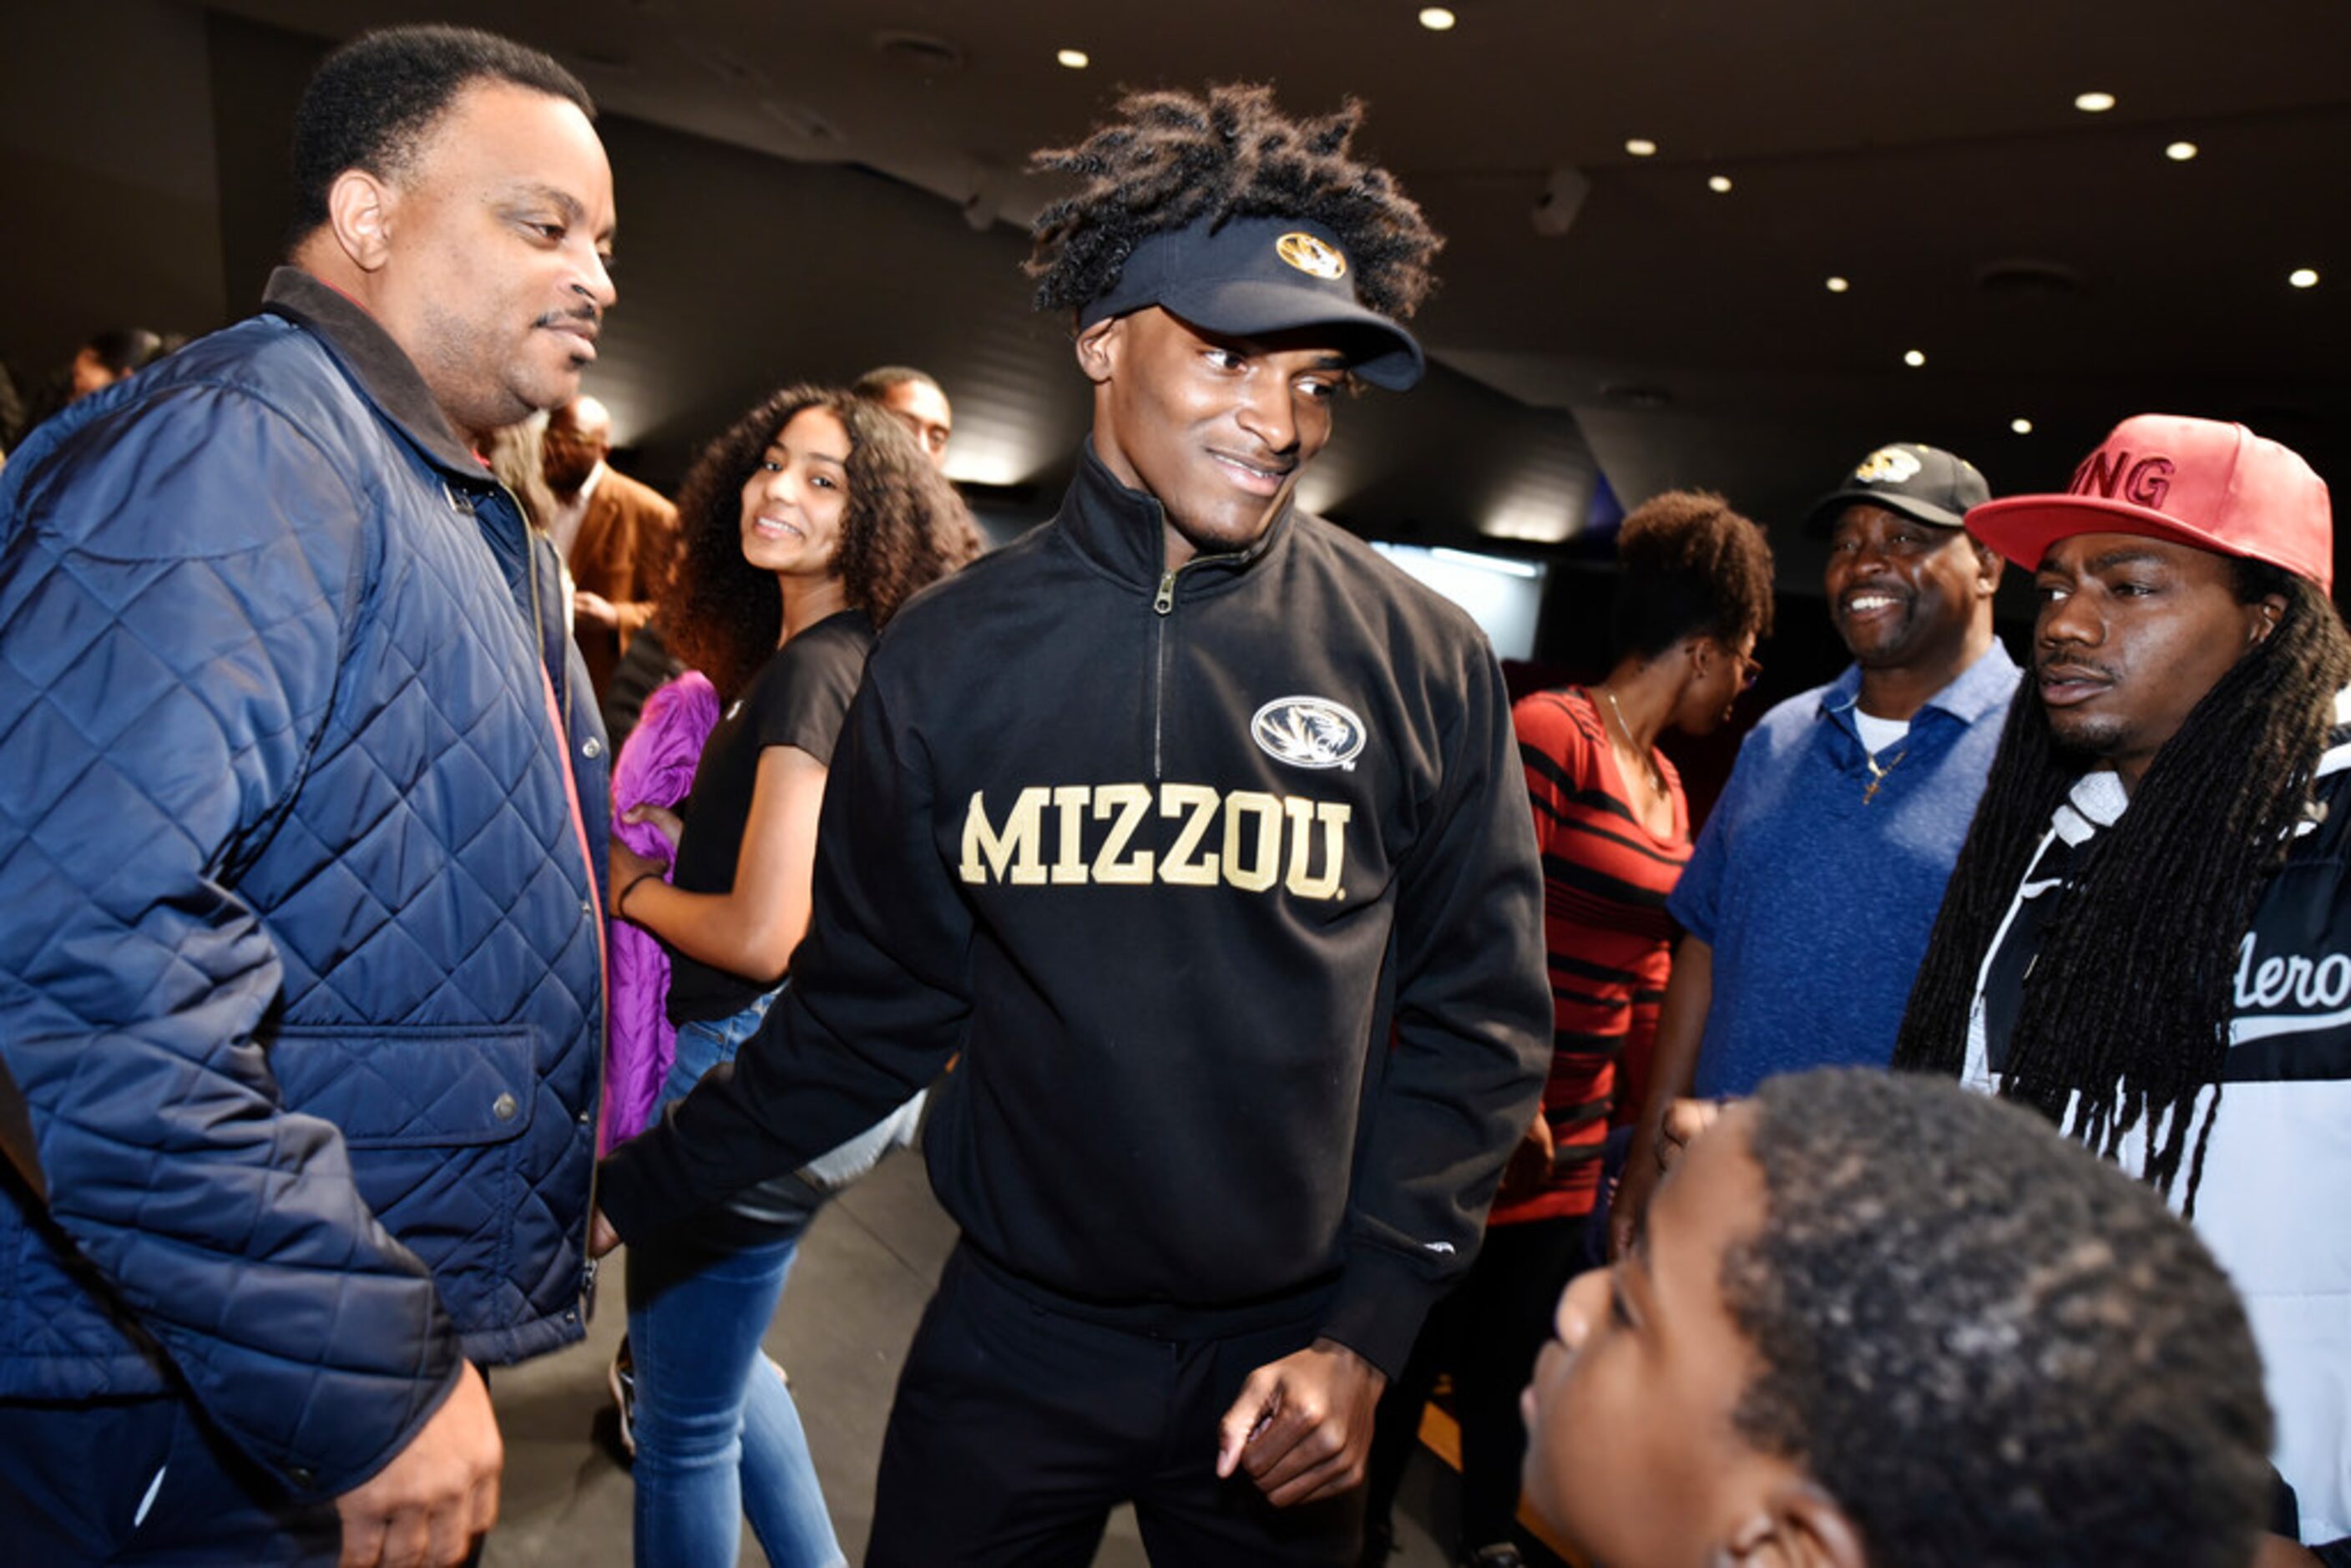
1874,1319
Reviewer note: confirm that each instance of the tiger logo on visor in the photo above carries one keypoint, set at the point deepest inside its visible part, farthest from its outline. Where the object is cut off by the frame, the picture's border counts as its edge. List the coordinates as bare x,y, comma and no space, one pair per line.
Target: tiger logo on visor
1314,257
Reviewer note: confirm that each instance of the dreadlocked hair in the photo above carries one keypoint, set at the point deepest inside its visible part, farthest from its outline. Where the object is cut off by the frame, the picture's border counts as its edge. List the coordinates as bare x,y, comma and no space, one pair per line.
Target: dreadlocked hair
2129,994
902,527
1174,158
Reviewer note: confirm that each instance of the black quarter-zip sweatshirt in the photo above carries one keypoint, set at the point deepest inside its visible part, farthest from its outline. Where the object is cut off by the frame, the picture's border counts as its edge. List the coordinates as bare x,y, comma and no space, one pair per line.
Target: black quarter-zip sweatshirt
1222,880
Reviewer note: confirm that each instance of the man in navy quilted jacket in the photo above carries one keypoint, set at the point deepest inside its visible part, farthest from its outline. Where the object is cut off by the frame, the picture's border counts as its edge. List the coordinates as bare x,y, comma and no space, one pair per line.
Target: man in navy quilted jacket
300,978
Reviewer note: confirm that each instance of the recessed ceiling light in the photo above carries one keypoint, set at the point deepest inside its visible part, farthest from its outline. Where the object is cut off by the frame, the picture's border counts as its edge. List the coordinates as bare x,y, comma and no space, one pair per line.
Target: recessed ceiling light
2304,277
2095,102
2180,151
1838,285
2022,426
1076,59
1641,147
1915,358
1719,183
1437,19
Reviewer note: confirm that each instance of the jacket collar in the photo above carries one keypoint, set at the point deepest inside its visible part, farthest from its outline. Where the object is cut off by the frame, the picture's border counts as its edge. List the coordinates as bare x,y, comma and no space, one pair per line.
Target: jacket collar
1123,531
370,358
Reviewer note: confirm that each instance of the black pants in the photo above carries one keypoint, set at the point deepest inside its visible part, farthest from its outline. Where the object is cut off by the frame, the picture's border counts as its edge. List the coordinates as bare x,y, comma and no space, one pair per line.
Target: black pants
1485,1333
1016,1429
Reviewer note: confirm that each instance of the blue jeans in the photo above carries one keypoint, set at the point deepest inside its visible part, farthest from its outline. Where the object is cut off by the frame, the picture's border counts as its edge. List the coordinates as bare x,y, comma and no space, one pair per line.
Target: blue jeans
717,1434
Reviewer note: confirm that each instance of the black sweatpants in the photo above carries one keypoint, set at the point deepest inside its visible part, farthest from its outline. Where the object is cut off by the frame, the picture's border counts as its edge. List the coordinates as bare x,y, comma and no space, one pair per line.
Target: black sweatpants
1485,1333
1018,1428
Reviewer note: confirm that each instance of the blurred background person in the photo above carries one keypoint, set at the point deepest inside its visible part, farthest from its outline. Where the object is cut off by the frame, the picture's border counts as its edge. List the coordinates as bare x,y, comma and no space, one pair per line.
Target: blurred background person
112,356
12,412
615,534
517,454
917,400
644,669
106,358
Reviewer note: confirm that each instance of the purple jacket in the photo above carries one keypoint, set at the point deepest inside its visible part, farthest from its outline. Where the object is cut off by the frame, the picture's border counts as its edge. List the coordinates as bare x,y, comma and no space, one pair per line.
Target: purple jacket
655,767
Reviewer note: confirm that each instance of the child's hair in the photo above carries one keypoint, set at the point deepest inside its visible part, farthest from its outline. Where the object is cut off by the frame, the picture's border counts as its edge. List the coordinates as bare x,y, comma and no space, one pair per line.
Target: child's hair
1987,1345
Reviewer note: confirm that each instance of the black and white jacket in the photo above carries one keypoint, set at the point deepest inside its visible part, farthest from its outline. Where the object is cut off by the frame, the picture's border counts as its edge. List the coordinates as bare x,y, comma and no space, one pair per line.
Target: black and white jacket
2271,1205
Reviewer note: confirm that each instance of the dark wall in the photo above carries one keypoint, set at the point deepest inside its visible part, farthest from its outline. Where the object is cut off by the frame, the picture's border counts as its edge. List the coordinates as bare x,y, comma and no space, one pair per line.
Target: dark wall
257,75
106,179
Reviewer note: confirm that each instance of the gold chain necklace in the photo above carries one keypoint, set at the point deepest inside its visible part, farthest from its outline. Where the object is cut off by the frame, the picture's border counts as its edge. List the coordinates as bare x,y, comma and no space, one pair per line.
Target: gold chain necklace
1648,762
1877,775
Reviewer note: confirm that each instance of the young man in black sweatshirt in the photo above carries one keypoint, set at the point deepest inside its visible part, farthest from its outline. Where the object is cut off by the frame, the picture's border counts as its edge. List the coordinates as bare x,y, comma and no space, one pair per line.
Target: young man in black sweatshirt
1198,831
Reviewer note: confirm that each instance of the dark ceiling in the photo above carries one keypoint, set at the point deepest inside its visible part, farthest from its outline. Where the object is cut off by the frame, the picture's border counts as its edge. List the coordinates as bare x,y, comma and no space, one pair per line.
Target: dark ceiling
2051,265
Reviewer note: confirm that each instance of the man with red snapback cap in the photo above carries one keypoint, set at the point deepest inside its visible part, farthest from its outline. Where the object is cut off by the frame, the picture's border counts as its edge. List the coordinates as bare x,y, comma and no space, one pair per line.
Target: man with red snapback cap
2148,932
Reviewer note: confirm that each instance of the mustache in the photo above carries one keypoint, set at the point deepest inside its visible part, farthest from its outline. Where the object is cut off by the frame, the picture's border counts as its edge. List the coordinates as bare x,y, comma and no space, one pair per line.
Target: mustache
2070,668
586,312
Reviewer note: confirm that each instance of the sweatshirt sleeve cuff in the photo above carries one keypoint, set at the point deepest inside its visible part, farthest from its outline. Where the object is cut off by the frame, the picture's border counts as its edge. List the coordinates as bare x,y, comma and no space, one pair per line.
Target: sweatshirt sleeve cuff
1382,1302
628,1186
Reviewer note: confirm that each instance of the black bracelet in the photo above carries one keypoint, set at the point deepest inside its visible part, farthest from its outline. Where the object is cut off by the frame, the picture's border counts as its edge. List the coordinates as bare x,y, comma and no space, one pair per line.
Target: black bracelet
620,904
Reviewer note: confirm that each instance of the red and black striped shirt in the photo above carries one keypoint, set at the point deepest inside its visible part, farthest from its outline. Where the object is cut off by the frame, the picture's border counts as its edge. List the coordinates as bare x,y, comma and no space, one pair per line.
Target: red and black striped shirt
1606,932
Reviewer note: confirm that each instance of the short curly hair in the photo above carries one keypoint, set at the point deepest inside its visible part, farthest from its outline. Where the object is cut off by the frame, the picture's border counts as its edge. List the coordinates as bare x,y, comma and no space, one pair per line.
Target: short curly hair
1988,1345
373,102
1172,158
1688,564
903,527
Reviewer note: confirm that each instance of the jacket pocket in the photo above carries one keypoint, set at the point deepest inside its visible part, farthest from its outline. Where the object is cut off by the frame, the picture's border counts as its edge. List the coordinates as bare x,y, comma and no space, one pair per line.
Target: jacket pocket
410,1087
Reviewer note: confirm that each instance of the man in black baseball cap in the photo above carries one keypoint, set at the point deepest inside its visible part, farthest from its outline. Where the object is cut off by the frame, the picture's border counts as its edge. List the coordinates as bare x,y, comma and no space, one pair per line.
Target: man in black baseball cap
1201,834
1908,590
1815,883
1925,483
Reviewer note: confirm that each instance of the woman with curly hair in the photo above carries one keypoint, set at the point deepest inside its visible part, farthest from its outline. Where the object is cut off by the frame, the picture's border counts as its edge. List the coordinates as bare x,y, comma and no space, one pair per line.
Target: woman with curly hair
1693,593
805,528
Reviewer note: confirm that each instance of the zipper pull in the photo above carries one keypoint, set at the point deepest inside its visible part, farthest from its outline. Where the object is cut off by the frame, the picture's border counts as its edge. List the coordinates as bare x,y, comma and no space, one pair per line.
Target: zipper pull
1165,602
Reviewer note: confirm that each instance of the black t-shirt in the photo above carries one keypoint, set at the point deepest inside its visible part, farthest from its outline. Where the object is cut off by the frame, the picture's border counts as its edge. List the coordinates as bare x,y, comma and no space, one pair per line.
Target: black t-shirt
797,698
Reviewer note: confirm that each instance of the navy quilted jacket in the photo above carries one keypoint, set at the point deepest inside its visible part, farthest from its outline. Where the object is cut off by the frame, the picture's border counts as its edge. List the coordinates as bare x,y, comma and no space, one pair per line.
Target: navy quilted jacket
300,974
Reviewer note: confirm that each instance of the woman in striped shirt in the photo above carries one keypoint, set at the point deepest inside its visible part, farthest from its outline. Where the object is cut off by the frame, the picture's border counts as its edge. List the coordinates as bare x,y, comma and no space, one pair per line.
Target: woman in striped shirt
1693,595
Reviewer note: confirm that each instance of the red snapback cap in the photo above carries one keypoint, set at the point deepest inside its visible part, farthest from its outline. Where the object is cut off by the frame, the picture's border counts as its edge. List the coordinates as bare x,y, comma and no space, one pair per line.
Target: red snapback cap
2200,482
